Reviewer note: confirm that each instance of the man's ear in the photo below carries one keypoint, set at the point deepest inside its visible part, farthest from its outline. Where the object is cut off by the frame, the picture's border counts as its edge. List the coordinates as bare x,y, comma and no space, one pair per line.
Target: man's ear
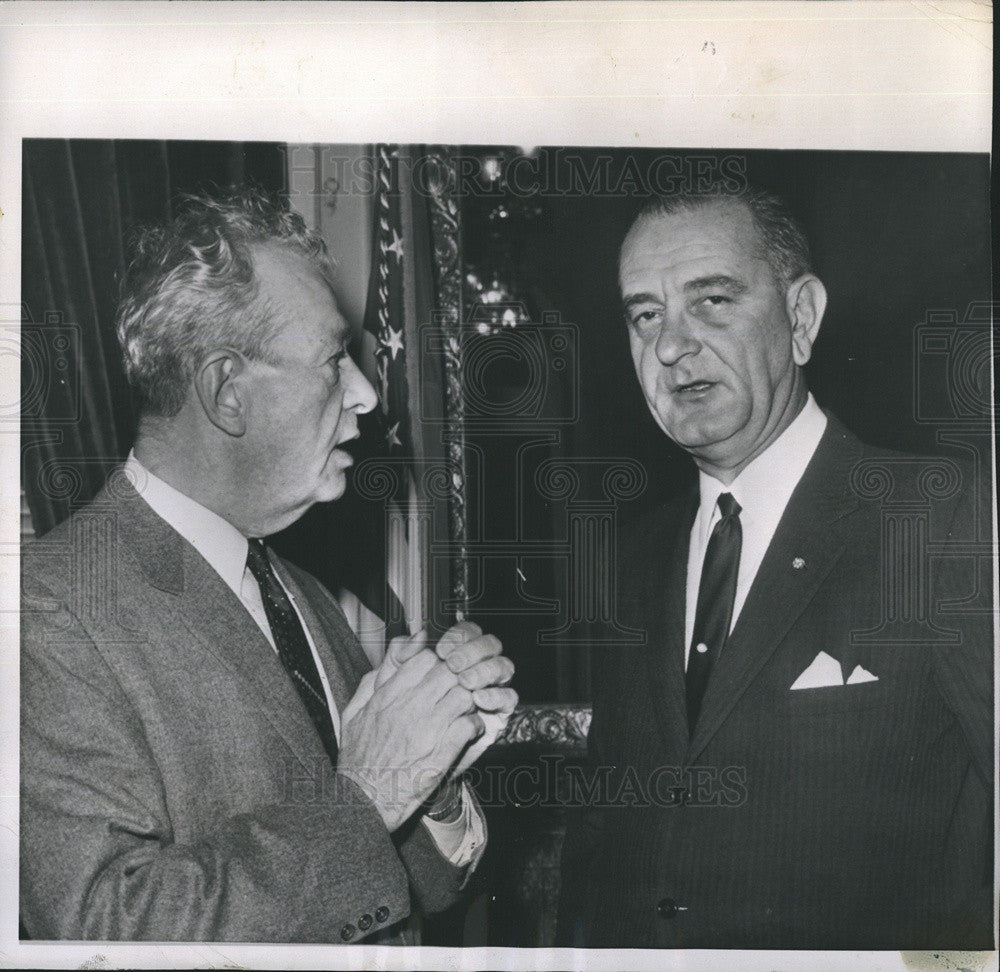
221,386
805,303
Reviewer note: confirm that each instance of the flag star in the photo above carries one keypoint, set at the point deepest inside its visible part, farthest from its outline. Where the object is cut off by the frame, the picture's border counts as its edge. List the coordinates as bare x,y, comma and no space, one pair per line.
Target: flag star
396,246
395,342
391,437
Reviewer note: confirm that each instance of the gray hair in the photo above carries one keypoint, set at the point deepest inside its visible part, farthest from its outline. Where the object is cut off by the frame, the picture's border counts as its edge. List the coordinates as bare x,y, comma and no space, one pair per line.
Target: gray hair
785,245
190,287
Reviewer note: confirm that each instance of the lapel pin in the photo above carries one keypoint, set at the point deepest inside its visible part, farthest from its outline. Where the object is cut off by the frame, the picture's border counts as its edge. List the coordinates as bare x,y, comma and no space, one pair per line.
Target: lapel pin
798,563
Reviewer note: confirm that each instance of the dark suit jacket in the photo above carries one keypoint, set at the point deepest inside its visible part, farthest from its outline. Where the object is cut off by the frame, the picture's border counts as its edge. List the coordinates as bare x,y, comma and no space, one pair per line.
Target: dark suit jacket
854,817
172,784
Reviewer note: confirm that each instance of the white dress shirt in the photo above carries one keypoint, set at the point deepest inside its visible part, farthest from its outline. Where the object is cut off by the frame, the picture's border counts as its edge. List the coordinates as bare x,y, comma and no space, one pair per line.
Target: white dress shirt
225,549
763,490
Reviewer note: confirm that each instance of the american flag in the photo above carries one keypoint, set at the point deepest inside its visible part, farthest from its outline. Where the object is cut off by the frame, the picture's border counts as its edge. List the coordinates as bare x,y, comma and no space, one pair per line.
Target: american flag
385,310
401,600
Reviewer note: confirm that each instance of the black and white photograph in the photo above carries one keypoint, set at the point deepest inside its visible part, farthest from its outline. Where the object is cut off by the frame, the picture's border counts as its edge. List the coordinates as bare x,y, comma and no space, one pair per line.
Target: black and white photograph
445,549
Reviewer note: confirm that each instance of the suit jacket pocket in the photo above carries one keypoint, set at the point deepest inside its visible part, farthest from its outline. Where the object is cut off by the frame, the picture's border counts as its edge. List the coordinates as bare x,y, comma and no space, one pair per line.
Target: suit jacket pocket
836,700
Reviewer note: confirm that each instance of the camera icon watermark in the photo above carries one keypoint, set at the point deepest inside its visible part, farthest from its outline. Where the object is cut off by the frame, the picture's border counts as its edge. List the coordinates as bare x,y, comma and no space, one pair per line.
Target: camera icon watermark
952,367
520,378
41,369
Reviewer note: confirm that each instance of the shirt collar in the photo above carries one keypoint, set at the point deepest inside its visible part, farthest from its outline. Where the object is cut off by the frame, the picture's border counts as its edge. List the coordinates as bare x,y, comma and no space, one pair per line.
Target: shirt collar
768,482
216,539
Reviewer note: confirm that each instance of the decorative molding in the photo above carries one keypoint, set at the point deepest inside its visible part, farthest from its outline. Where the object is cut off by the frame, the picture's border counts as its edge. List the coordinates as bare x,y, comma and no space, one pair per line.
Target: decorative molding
548,724
446,232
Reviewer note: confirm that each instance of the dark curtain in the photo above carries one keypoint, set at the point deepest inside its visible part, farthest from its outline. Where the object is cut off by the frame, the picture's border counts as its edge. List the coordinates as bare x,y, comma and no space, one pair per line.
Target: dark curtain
80,200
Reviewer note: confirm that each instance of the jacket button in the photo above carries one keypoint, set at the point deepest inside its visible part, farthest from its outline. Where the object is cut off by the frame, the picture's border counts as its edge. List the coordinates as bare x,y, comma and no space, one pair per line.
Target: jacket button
347,932
381,914
365,922
666,908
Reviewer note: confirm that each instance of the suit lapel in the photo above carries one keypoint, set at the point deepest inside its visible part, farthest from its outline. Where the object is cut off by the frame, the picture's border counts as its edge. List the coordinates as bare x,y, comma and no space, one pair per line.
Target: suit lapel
811,533
224,627
216,619
664,595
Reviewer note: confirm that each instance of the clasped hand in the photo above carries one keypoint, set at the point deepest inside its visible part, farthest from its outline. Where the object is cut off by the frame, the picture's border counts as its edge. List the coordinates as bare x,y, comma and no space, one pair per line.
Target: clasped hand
421,717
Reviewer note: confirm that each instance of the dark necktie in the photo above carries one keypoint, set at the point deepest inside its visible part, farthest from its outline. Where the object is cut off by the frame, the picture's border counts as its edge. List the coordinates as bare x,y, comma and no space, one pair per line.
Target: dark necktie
716,593
293,648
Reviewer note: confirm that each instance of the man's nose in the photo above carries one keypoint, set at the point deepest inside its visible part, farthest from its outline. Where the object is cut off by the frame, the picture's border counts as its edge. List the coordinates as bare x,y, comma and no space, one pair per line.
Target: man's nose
675,340
359,393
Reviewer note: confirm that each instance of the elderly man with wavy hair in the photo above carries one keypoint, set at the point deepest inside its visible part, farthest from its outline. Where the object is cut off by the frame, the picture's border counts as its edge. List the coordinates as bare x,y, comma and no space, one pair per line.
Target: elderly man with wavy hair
206,754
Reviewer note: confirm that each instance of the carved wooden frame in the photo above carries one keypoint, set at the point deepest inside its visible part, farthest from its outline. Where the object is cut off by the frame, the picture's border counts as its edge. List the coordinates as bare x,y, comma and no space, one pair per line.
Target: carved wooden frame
446,235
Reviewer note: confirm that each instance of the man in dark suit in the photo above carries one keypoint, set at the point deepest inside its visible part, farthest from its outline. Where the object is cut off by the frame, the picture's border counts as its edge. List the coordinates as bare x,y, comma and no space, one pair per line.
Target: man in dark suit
801,753
205,753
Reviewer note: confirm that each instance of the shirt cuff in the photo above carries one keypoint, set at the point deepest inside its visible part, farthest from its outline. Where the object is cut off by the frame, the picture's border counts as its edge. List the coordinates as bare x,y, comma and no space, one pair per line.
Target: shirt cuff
463,840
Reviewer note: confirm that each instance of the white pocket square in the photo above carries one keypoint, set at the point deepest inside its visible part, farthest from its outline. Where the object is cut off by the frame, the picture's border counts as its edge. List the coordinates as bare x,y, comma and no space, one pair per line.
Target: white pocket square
823,672
860,675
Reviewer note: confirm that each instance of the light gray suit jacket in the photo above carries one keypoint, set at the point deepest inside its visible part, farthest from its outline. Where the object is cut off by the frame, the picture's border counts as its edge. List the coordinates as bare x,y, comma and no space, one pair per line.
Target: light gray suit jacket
172,784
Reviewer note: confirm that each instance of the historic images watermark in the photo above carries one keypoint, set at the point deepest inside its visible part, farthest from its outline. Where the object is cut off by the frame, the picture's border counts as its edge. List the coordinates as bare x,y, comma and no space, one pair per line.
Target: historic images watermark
556,172
551,782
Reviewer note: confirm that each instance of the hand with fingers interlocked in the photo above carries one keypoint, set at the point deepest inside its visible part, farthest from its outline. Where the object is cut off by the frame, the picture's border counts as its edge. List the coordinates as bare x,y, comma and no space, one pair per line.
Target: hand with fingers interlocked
423,717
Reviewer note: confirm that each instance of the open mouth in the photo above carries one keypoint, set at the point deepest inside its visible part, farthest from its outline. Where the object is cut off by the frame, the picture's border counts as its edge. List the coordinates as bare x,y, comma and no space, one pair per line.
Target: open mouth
348,445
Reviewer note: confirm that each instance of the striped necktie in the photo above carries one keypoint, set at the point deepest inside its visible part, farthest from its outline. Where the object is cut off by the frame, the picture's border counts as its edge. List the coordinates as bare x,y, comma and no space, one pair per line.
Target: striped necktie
293,647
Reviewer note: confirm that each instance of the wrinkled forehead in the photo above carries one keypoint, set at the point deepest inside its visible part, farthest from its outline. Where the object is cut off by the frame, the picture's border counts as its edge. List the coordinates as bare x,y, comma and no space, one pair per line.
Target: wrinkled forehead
718,229
298,292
